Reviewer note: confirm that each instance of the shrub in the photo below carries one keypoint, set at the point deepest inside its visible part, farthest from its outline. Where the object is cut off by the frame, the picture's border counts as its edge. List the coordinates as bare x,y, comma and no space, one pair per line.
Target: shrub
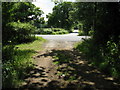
107,58
91,32
81,33
38,31
51,31
20,32
112,56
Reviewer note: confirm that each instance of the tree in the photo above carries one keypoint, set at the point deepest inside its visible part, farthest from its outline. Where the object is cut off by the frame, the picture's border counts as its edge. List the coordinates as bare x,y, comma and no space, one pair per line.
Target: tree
84,13
61,16
24,12
107,23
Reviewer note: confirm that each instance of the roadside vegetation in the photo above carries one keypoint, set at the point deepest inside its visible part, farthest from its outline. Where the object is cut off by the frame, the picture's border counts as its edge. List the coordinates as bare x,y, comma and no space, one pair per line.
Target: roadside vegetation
51,31
106,59
19,42
103,48
83,33
18,61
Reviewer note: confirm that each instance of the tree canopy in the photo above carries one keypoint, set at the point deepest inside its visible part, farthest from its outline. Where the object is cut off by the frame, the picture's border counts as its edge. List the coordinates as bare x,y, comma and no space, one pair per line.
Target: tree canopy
61,16
24,12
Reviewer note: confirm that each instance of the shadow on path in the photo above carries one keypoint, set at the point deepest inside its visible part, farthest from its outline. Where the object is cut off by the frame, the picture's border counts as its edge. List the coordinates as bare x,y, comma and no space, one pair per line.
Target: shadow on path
73,71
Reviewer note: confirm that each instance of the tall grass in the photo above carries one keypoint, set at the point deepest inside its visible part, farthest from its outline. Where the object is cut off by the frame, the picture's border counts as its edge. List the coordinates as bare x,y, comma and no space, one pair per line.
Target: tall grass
17,62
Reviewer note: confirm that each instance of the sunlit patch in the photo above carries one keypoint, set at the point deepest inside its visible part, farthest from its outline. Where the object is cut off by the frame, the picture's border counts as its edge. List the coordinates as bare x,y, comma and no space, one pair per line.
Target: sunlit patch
81,62
93,71
88,82
116,83
87,72
89,64
109,78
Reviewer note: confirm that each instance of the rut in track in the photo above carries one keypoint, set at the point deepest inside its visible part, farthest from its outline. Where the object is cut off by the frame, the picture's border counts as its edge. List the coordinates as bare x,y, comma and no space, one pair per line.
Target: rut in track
68,70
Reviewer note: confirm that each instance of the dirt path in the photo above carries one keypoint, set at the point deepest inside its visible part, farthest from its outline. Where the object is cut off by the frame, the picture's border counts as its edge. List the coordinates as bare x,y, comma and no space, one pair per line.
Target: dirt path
51,71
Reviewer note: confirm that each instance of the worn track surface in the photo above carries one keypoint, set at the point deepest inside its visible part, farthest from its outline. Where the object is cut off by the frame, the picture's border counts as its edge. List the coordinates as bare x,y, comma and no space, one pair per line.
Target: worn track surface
80,74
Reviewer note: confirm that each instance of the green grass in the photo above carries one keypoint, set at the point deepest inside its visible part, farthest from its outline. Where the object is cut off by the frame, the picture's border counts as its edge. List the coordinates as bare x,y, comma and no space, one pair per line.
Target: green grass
16,69
18,62
36,45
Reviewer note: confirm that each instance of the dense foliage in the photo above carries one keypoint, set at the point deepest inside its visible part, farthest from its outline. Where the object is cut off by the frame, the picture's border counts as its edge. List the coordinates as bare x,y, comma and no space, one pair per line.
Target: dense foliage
60,18
104,48
19,32
11,12
106,59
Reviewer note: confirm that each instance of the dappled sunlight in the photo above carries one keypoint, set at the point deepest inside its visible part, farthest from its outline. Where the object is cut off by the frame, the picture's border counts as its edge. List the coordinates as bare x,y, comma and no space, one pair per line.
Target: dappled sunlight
88,82
109,78
73,72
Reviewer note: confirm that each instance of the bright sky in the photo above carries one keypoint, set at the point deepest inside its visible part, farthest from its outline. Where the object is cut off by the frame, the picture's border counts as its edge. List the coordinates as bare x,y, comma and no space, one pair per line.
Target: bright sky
45,5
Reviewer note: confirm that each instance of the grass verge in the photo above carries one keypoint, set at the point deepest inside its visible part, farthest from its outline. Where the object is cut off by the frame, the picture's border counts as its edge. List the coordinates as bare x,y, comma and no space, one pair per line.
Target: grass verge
17,62
36,45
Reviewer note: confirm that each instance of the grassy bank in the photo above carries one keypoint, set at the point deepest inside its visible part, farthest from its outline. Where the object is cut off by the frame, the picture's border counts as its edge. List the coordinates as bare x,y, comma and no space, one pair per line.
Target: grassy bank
17,62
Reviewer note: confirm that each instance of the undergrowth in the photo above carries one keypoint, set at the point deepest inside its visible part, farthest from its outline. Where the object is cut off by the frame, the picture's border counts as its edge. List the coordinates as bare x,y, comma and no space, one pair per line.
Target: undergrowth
17,61
106,58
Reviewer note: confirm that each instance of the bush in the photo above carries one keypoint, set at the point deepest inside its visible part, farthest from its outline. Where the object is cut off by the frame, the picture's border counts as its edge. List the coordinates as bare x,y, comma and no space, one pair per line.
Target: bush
20,32
91,32
38,31
112,57
52,31
107,58
81,33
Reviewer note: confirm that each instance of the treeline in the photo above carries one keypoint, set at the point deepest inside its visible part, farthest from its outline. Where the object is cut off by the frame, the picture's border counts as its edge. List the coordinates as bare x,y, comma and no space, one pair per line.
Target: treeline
69,16
60,18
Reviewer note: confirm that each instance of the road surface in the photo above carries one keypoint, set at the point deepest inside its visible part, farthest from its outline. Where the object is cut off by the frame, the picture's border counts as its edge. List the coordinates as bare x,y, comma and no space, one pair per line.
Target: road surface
72,37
